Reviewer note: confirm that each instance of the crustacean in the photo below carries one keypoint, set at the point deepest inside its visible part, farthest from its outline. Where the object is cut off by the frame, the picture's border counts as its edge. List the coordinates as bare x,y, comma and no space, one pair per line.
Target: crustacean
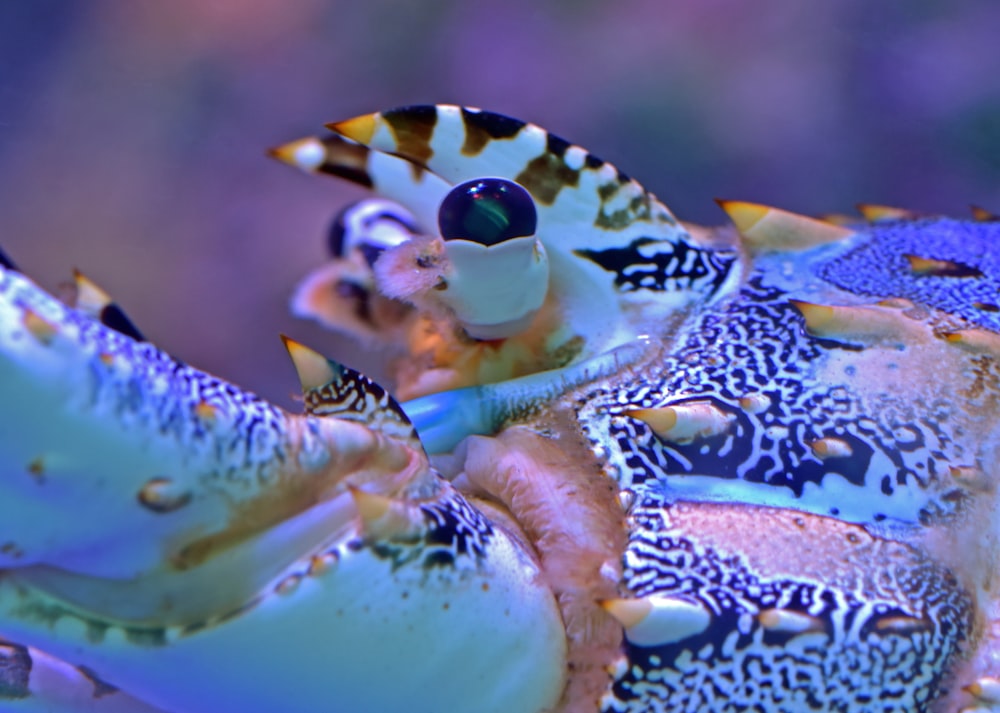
627,465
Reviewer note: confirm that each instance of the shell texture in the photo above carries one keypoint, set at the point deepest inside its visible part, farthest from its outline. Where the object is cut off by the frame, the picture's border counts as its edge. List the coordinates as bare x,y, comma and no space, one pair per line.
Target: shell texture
732,469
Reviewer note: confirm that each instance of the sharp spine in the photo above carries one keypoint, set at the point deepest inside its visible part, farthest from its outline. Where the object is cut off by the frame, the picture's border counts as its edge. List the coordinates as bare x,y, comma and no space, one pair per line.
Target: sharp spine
875,213
869,325
95,302
831,448
986,689
789,622
982,215
682,423
384,518
767,228
658,620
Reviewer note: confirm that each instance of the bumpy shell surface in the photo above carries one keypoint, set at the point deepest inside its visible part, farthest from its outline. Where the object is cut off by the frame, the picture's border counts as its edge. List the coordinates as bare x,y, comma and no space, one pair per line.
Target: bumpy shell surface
750,468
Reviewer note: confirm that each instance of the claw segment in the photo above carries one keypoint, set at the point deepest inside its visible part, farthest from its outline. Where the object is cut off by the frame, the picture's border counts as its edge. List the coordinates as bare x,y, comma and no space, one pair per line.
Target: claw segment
360,128
331,389
615,250
311,154
767,228
461,143
391,176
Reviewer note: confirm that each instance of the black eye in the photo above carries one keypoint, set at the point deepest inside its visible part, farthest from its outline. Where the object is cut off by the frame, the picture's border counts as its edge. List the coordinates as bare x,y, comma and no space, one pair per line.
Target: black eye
487,211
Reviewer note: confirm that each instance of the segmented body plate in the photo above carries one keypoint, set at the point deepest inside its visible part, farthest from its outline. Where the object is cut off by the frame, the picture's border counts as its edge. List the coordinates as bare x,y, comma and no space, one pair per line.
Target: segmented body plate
862,424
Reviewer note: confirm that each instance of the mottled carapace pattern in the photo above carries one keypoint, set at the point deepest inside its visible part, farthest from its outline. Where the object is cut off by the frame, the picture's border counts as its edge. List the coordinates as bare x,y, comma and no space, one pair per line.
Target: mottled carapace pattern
722,470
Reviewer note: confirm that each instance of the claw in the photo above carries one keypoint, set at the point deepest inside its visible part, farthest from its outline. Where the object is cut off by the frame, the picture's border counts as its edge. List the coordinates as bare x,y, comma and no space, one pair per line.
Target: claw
155,519
150,413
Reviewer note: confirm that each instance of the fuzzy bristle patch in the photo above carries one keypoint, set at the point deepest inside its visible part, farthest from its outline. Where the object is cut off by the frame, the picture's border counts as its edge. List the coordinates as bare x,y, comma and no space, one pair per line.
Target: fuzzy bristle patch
412,269
572,517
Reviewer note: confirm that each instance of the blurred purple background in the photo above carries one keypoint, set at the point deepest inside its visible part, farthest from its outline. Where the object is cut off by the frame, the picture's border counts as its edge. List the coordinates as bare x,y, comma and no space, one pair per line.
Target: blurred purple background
132,133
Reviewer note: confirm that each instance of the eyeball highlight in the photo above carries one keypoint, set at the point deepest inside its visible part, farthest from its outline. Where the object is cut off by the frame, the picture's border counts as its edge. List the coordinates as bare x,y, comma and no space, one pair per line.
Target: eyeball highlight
487,211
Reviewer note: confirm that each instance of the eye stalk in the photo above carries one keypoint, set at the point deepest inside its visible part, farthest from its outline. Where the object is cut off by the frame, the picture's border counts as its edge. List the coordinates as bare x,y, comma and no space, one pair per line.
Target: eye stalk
487,211
498,272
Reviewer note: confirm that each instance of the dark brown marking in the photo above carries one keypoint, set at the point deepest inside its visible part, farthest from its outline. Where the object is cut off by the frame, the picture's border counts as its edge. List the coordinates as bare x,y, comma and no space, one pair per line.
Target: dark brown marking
986,307
412,127
985,378
101,687
639,208
15,671
146,637
347,160
417,172
96,630
545,176
37,469
483,126
606,191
